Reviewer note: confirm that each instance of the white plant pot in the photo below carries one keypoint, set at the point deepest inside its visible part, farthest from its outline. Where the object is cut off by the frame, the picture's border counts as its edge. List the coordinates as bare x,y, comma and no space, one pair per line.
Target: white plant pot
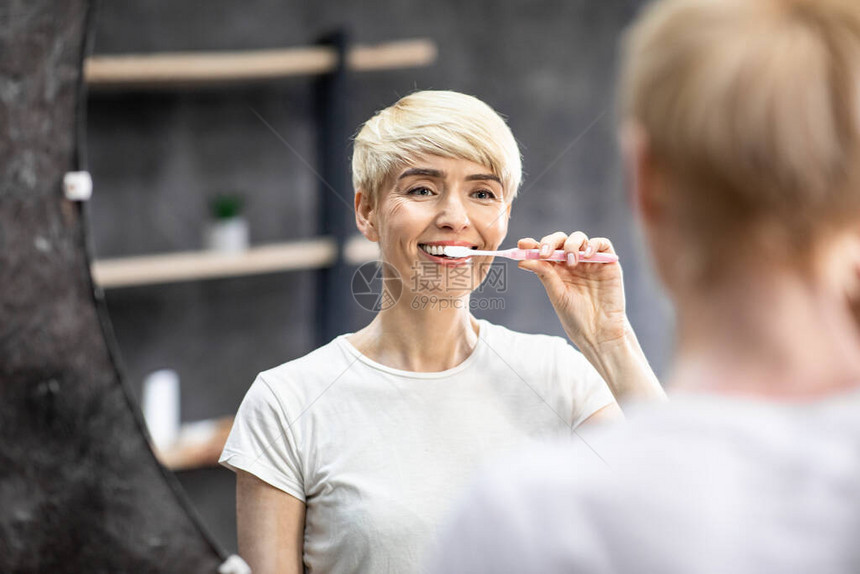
227,235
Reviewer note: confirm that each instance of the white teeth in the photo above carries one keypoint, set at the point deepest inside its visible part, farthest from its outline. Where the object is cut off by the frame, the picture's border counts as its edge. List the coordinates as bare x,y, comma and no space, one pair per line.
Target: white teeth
437,250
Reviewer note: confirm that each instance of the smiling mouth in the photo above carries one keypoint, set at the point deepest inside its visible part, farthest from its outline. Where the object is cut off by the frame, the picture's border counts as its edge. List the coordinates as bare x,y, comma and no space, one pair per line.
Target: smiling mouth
437,250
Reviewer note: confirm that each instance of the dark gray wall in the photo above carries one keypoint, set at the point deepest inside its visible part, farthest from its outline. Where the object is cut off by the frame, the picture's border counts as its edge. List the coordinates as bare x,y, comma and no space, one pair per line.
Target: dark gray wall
546,65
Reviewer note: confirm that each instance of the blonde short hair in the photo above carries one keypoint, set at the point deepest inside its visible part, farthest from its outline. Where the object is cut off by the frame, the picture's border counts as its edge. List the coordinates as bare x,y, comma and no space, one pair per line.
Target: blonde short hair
442,123
751,109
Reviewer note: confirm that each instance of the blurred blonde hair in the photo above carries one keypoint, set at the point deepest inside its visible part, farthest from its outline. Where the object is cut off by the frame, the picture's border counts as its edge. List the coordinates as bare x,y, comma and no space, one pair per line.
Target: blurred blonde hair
442,123
750,109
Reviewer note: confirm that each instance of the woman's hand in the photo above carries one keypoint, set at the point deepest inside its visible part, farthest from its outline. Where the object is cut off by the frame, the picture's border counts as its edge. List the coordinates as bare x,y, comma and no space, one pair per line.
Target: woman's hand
588,297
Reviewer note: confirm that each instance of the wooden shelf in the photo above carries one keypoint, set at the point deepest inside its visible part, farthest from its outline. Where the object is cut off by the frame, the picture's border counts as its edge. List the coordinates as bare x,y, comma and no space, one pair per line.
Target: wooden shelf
192,266
194,68
198,445
359,250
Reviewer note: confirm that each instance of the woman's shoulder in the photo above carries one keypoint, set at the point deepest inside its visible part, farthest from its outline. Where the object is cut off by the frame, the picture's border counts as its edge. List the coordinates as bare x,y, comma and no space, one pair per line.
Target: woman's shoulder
318,366
289,389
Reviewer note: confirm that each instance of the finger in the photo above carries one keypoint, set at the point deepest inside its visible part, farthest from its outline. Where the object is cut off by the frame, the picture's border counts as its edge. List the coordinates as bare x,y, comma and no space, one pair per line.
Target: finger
528,243
596,245
601,245
576,242
551,242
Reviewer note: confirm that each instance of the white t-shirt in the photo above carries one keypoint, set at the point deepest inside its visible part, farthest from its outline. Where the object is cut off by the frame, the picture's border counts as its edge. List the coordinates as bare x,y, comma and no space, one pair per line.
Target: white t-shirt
377,454
705,484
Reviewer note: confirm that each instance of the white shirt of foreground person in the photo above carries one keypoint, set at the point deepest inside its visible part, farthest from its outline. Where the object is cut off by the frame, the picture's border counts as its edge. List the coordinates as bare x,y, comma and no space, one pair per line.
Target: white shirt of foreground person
377,454
703,484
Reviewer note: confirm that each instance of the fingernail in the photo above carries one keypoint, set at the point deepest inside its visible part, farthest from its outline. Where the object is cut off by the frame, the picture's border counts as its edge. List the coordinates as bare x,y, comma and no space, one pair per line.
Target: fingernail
589,251
544,250
571,259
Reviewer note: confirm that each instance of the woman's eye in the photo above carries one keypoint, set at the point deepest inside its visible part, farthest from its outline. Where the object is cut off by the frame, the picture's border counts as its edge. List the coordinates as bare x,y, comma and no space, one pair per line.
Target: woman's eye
484,194
423,191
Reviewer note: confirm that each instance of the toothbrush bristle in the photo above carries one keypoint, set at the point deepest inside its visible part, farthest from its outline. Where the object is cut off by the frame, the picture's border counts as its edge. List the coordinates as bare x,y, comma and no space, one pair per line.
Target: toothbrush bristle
456,251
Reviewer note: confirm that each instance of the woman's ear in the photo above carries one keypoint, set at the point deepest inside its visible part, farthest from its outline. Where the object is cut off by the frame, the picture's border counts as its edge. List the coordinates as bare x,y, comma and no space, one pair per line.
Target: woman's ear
643,183
851,259
365,215
854,295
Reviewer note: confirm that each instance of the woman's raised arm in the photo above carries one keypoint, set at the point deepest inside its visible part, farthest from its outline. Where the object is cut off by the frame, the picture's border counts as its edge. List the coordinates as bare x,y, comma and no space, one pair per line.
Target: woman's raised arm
589,301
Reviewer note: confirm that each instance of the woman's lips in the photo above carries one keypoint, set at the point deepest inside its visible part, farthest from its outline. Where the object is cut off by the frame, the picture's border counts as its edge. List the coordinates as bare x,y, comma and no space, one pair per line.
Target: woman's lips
446,261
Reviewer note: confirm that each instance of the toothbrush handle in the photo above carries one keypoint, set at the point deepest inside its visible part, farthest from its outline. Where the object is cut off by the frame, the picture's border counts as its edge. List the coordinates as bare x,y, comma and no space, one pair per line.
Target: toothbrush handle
559,255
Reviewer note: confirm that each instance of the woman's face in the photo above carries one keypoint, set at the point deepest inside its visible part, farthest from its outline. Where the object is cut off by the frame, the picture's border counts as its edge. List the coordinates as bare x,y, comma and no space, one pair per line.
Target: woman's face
433,202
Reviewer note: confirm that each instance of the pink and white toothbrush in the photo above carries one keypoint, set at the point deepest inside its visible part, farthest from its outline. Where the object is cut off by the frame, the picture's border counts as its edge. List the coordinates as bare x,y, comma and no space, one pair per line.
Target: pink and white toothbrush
522,254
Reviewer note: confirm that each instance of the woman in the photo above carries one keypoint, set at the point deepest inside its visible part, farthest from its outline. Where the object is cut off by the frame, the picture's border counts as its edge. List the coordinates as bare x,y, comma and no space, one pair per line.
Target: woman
348,457
741,131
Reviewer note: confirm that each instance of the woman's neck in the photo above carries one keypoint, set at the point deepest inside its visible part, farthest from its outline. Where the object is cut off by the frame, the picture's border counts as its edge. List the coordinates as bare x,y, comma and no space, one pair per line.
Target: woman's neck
431,338
778,335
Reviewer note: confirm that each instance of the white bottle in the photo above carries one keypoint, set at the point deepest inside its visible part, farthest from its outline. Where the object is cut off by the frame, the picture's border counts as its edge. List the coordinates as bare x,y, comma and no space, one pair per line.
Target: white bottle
161,407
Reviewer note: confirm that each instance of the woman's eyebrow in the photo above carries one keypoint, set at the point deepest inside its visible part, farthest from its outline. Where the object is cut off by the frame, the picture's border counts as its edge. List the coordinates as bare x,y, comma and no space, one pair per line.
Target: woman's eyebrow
422,171
483,177
428,172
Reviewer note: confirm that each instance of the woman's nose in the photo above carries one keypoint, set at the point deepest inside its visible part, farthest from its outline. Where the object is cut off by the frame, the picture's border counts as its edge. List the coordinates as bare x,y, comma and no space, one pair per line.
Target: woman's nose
453,214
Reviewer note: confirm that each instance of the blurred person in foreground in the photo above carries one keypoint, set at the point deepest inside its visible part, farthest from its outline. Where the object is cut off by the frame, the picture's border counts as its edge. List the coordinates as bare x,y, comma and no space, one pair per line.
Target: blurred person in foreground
741,135
347,458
